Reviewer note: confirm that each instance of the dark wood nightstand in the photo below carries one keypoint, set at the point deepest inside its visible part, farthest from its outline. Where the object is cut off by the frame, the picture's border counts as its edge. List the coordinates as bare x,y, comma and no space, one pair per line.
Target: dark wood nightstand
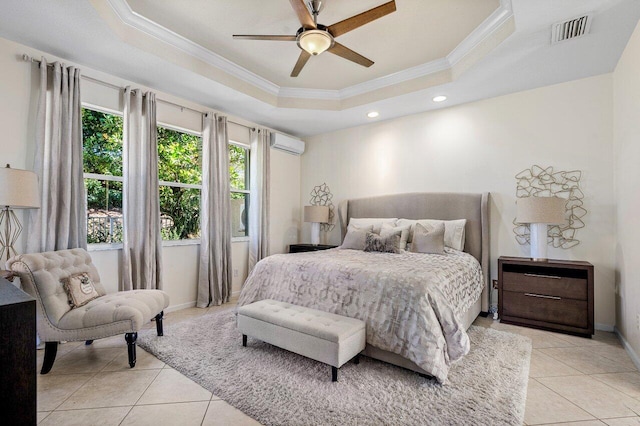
18,355
299,248
553,295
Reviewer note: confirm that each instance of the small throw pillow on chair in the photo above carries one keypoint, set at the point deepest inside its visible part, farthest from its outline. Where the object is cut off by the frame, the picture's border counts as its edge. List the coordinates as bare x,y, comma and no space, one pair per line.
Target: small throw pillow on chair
80,289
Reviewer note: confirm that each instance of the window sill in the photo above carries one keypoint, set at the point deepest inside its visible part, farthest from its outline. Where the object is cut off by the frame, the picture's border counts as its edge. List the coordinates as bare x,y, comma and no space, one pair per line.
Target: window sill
104,246
165,243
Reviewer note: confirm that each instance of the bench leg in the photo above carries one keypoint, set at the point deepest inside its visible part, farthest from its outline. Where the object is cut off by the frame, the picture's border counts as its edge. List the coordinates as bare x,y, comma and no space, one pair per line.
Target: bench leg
131,346
244,340
159,323
334,374
356,359
50,351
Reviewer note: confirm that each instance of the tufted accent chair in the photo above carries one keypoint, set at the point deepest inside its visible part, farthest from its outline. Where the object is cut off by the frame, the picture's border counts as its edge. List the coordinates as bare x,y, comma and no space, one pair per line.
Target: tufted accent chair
41,276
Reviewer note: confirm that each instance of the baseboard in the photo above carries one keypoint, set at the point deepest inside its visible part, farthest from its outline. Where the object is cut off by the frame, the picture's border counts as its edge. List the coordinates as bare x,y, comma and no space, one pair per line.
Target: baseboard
632,354
173,308
235,294
604,327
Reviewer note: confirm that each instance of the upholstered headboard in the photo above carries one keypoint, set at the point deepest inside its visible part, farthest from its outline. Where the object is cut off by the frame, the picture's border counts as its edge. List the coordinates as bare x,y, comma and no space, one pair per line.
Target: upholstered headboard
432,205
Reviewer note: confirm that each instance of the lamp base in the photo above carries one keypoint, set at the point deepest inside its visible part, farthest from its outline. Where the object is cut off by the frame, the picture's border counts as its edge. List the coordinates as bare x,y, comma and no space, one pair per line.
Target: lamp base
10,229
538,239
315,233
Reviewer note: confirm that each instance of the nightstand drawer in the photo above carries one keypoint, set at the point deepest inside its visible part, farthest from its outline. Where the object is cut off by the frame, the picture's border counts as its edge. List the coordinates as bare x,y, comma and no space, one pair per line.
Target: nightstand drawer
548,284
541,307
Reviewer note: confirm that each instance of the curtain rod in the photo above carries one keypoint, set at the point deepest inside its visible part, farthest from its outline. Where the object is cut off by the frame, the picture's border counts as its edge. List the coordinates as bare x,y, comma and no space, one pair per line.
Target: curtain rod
28,58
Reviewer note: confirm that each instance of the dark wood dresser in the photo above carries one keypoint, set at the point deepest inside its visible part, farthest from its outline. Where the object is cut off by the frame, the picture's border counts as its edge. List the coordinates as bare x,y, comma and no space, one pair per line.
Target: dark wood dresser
298,248
17,355
553,295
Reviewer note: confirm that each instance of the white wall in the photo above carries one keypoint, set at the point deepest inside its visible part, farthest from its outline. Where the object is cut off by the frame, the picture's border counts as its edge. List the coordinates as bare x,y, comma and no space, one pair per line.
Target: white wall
480,147
626,90
284,204
18,93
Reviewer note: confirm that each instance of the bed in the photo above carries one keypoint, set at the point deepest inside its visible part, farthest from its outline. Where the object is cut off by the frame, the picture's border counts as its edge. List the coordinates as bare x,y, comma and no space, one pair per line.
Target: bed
410,323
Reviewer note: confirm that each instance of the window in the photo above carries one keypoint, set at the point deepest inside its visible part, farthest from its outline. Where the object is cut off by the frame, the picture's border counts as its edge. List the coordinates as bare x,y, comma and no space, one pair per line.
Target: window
239,179
102,156
180,175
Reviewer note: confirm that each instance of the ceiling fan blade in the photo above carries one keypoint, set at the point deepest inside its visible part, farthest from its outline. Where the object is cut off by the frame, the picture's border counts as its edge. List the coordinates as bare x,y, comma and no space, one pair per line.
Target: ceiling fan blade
265,37
302,60
361,19
345,52
305,18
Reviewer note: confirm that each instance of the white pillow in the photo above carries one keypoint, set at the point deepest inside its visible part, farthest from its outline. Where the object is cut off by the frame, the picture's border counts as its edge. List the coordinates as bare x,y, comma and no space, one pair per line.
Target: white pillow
453,230
375,222
388,229
356,237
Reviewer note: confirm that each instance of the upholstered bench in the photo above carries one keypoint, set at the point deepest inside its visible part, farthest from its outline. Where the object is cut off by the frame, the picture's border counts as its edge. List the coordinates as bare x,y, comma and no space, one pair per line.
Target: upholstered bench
322,336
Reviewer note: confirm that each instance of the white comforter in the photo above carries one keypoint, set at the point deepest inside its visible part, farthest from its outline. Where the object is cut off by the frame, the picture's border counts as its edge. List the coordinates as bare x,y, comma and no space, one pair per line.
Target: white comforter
410,302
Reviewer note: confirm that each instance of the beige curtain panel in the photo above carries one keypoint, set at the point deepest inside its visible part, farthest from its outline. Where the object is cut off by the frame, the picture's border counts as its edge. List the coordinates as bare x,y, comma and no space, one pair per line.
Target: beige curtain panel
142,251
61,222
259,185
214,278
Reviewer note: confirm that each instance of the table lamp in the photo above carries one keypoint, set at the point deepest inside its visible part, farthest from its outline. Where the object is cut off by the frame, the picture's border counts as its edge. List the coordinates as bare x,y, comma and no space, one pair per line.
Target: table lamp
539,212
18,190
316,215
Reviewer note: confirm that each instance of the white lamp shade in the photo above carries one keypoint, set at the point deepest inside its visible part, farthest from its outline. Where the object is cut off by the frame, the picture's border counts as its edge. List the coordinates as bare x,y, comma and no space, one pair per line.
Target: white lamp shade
19,188
318,214
549,210
315,41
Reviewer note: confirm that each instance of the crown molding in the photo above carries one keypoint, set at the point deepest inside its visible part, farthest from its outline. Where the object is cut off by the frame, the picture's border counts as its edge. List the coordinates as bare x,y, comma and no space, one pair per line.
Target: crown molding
490,25
147,26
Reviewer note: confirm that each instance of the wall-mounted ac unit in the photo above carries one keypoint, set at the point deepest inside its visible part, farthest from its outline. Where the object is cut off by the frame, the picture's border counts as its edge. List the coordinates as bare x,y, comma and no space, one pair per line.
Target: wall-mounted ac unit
287,143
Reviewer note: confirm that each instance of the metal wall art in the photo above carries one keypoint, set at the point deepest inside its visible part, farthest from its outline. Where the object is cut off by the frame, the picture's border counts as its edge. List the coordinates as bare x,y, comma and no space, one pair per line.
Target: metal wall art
321,196
544,182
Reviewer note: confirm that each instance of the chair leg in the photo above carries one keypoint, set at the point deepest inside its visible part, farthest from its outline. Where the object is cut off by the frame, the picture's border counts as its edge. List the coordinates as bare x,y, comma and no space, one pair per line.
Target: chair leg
131,346
88,342
50,351
334,374
244,340
159,323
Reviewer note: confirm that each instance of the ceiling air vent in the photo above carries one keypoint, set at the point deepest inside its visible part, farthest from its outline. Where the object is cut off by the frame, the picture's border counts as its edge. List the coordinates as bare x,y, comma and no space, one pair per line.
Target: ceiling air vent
573,28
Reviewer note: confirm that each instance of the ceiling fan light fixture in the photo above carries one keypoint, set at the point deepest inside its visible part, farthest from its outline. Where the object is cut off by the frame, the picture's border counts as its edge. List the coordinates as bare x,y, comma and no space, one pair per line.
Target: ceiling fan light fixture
315,41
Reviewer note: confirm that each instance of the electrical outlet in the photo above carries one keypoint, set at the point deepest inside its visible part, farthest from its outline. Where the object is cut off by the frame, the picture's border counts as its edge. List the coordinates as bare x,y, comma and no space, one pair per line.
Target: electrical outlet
235,273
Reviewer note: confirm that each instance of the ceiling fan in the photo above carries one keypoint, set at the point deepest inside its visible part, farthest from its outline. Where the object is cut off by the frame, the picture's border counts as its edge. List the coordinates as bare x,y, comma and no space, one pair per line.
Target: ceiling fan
314,38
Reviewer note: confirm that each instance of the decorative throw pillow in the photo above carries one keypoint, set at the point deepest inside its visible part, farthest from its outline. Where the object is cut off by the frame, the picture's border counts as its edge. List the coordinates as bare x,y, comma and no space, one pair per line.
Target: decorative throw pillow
428,239
356,237
375,222
454,236
388,229
388,244
80,289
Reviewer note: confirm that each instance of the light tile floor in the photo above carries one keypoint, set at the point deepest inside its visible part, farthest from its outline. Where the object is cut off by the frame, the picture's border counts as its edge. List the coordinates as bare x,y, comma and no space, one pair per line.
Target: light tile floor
589,382
573,380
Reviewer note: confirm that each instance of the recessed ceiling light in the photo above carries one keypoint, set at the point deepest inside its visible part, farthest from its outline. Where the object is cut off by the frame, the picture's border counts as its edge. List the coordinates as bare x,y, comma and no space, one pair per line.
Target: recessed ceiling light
373,114
439,98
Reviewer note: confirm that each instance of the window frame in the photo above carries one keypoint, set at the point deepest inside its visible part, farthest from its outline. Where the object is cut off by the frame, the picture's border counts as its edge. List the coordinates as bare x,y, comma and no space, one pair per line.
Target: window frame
247,170
186,241
112,178
97,176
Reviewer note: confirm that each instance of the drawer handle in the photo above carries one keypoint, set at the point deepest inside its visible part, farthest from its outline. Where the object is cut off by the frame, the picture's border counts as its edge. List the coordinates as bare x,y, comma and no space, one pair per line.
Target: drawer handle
543,276
542,296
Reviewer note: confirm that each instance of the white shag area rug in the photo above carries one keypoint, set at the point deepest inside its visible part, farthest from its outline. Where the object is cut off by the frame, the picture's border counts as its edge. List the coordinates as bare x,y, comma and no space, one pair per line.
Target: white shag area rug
276,387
